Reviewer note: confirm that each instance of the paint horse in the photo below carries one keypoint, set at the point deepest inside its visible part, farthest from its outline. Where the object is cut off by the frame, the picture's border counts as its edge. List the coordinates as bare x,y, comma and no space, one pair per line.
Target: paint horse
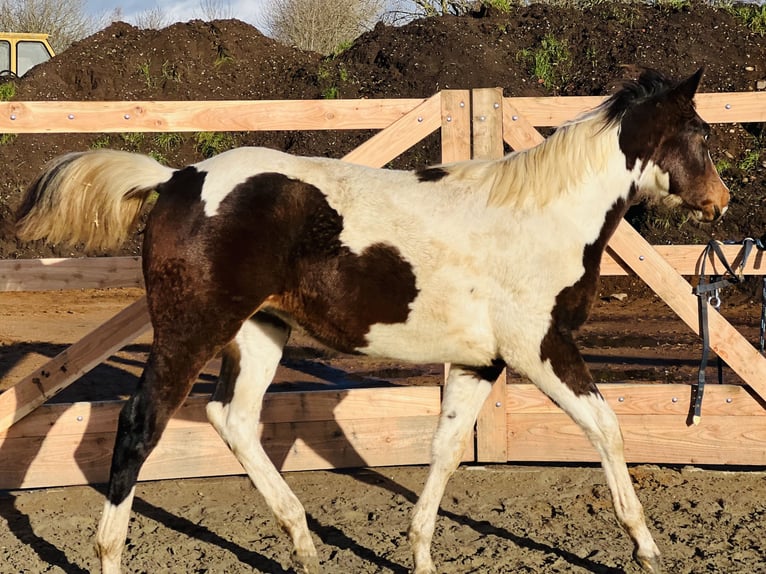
480,264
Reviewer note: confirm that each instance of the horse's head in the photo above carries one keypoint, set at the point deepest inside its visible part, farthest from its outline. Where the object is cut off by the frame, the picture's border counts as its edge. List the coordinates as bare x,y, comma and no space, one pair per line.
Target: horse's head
664,138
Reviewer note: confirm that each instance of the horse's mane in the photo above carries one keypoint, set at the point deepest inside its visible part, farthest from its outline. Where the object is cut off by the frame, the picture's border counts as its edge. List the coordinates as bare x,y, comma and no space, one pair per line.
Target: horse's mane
580,147
649,84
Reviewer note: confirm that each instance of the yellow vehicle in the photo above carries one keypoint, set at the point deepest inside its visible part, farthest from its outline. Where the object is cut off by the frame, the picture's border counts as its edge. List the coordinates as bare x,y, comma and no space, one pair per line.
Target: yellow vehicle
19,51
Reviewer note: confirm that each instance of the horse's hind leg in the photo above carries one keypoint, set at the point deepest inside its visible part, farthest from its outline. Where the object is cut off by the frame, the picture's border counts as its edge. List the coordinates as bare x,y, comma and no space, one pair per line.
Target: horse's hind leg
565,378
464,394
249,364
171,369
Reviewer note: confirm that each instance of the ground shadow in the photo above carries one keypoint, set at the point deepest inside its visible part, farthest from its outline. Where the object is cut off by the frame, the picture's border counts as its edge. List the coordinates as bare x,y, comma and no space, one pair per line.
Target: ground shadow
319,375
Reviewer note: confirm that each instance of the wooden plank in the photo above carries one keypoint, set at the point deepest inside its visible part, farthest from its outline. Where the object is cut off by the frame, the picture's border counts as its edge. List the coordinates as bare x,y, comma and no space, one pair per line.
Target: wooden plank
686,260
106,272
552,111
70,273
659,439
69,365
278,407
194,116
657,273
653,418
238,115
487,116
518,131
71,444
645,399
727,107
731,107
400,135
456,125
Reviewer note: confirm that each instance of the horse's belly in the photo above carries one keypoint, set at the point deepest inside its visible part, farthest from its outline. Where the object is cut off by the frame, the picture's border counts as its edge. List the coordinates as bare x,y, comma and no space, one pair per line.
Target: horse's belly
425,342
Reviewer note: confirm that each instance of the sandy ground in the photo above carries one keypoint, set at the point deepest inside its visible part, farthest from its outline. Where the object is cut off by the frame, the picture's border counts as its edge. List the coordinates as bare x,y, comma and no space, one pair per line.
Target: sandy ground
498,518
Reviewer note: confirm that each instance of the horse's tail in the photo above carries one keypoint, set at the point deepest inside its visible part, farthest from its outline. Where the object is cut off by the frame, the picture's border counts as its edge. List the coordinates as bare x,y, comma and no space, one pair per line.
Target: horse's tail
92,197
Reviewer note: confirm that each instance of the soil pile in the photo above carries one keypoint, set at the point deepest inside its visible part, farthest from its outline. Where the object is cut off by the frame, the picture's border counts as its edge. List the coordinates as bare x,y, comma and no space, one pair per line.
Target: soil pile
229,59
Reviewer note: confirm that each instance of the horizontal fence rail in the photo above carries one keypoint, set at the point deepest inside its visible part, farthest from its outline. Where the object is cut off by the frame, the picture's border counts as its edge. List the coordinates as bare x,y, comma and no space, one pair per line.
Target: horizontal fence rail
104,272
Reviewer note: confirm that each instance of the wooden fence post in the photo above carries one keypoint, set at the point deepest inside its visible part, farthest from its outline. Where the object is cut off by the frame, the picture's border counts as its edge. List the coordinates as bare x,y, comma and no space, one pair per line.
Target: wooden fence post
491,425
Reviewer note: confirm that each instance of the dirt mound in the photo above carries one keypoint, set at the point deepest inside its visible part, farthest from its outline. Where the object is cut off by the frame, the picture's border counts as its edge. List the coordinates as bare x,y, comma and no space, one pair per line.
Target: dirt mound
232,60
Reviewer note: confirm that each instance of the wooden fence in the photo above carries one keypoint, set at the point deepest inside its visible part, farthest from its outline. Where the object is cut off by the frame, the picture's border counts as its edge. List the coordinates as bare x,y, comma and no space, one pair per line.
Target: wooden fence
71,443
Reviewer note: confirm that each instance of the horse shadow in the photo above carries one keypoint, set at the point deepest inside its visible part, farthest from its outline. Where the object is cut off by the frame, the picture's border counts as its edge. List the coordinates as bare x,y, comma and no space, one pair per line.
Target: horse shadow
345,455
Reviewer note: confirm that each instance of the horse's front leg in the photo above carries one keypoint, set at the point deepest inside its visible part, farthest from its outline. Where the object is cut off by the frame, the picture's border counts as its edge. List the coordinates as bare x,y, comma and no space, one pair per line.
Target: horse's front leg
565,378
464,395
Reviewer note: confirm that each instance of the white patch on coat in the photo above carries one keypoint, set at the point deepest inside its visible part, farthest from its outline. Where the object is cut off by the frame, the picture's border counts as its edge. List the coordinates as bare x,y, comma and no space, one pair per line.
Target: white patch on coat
260,349
112,532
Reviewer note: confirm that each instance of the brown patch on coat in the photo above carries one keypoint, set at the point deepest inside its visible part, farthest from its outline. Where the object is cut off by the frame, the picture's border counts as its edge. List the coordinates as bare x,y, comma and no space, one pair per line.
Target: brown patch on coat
277,240
572,308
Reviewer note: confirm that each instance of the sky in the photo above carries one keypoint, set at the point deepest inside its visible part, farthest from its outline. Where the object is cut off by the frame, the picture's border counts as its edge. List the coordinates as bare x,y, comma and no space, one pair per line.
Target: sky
178,10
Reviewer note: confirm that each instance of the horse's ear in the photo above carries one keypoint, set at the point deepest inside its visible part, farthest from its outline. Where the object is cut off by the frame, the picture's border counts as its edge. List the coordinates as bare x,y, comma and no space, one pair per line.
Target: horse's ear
688,87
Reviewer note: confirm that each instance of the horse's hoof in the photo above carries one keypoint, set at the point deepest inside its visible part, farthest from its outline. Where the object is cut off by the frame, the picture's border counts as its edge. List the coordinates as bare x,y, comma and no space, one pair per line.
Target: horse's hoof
649,563
304,564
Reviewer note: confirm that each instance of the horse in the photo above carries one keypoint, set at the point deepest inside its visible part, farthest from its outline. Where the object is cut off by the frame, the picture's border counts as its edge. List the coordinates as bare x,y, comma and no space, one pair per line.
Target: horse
482,264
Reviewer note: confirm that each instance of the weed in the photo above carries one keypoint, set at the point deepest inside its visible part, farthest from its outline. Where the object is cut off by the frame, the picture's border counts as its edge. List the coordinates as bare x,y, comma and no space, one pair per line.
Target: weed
722,166
132,140
674,5
170,72
158,157
168,140
750,161
752,15
7,91
146,72
342,47
222,57
550,61
329,78
213,143
503,6
331,93
102,141
6,139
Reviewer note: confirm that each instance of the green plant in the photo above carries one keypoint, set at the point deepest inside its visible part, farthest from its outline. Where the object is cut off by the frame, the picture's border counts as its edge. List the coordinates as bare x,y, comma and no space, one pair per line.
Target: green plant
752,15
6,139
549,62
7,91
674,5
331,93
101,141
158,157
212,143
131,140
342,47
170,72
146,73
722,166
750,161
222,59
168,140
500,5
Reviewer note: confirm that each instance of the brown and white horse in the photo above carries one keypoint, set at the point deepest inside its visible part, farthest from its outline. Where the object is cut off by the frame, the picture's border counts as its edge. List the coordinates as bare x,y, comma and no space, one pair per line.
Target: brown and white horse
480,264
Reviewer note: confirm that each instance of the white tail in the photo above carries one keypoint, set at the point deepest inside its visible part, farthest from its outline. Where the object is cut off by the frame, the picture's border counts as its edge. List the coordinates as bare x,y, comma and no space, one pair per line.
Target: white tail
91,197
